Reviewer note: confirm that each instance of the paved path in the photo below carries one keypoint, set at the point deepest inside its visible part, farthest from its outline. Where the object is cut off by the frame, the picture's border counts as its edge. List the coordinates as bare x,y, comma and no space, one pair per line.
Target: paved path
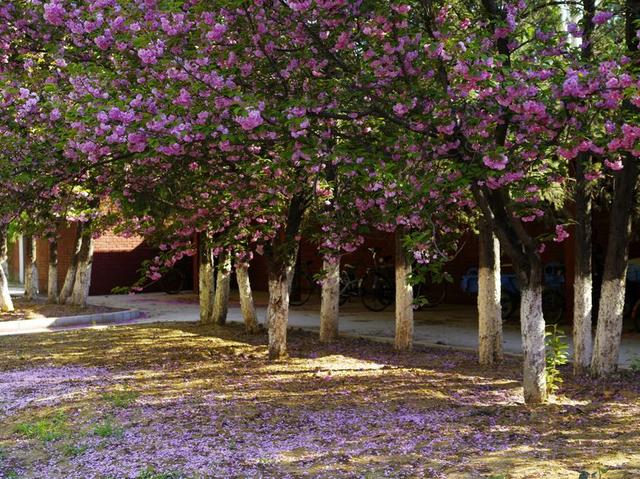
449,325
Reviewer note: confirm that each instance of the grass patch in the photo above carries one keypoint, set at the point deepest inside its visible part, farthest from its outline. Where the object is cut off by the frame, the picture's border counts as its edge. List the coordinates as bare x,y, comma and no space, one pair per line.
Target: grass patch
153,474
108,428
74,450
122,399
46,429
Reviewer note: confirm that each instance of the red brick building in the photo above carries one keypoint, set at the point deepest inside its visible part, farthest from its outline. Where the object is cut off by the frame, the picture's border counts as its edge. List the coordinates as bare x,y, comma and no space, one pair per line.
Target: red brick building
116,262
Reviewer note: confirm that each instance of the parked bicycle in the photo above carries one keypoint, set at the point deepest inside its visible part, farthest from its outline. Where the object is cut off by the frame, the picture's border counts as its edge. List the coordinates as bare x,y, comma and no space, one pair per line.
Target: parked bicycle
349,284
553,302
377,290
303,285
378,287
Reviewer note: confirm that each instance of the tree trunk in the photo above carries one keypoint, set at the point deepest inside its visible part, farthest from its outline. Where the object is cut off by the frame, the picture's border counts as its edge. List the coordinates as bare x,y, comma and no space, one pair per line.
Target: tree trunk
404,297
6,304
533,327
278,311
282,253
522,249
31,276
583,279
223,283
330,301
247,307
206,287
83,274
489,309
70,277
607,343
52,283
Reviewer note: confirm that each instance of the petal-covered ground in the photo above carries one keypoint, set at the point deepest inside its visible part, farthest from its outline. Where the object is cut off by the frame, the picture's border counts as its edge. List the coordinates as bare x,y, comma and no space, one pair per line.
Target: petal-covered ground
182,401
40,308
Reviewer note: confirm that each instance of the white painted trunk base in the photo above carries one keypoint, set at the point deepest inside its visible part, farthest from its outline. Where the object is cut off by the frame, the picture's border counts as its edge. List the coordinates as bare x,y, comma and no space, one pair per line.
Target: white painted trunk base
330,301
533,347
206,290
70,277
82,280
490,349
31,289
606,347
582,314
52,275
247,307
223,284
52,283
404,299
278,316
6,304
67,286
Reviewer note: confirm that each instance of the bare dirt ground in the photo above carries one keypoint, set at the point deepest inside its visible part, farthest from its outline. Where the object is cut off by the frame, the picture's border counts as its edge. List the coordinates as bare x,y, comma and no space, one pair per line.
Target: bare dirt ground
39,308
183,401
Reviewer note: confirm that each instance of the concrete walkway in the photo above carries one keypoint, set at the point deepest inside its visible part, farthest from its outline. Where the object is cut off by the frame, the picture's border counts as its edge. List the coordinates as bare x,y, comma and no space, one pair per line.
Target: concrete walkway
446,325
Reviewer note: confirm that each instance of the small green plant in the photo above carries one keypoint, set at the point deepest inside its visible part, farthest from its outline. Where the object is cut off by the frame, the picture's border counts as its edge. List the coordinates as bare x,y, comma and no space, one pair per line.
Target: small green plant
599,474
121,399
556,355
47,429
108,428
73,450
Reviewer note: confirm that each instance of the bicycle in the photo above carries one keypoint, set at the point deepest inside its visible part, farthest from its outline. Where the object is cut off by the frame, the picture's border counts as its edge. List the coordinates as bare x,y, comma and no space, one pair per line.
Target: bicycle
377,289
302,286
429,293
349,284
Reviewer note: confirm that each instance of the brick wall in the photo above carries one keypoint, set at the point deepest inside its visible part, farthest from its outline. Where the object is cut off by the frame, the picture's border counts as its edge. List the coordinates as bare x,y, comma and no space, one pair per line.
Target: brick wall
116,261
14,262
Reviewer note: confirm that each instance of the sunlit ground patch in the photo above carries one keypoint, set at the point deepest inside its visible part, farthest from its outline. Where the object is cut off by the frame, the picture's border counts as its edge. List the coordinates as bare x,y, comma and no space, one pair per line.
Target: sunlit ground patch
181,401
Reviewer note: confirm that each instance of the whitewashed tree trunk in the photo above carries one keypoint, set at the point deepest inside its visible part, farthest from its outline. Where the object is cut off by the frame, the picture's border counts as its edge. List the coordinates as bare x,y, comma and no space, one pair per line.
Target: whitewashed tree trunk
6,304
609,331
330,301
83,274
607,343
533,344
31,276
52,280
247,307
489,310
582,310
223,284
70,277
278,312
206,283
404,297
282,253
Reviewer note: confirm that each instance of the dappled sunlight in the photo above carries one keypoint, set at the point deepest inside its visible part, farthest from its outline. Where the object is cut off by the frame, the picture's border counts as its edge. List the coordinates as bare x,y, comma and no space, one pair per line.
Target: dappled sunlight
203,400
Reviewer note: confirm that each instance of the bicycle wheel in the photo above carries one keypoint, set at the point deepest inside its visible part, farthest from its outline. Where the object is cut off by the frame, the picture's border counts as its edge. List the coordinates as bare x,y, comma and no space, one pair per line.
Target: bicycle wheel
508,304
552,306
301,288
376,292
433,294
345,285
172,281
